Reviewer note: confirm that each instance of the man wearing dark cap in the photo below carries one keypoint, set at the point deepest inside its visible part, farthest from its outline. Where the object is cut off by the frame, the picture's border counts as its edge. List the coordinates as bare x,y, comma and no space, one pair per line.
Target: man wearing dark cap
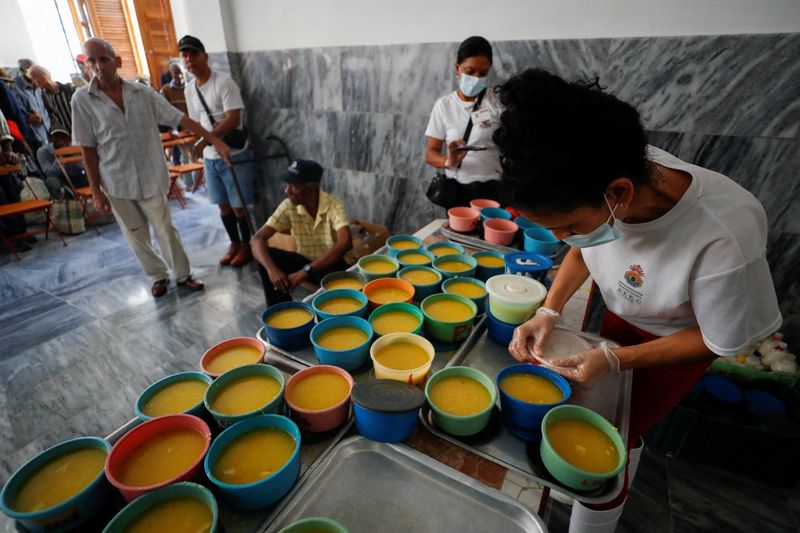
213,99
317,221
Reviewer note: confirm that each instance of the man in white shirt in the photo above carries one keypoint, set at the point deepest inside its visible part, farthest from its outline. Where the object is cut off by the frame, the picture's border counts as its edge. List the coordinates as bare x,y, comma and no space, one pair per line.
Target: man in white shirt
214,100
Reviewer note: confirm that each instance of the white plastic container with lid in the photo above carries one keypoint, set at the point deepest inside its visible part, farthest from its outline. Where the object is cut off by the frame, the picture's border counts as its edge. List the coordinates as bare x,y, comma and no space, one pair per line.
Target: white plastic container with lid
513,299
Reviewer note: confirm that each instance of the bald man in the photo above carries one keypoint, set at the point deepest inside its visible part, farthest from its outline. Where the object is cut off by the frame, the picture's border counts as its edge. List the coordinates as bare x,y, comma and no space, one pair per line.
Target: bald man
115,122
56,95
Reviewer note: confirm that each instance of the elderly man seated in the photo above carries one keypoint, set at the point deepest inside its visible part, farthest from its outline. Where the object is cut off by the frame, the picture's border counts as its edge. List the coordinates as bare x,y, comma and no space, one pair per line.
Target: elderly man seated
317,221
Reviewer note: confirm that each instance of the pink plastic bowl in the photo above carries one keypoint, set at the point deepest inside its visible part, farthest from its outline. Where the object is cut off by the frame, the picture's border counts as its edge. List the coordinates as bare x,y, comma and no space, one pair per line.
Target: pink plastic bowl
230,343
138,436
499,230
325,419
463,218
479,203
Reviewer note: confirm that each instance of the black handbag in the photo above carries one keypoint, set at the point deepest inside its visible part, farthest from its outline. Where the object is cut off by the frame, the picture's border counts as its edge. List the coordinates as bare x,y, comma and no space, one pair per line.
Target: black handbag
446,192
236,139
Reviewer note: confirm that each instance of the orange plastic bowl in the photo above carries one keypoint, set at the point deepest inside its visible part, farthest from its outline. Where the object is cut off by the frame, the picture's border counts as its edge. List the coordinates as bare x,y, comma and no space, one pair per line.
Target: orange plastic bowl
499,231
463,219
479,203
217,349
387,283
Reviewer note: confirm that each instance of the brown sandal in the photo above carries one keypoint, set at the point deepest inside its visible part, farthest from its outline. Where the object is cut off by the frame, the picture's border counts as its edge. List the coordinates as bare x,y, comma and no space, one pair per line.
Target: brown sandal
192,284
159,288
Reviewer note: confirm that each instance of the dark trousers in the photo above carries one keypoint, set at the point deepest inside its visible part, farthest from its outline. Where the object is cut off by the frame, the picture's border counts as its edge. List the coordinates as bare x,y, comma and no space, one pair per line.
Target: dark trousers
461,194
290,262
9,194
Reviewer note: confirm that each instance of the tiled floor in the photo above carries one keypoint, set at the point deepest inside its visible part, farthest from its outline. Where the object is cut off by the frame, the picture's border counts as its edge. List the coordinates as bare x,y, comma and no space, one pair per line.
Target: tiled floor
80,337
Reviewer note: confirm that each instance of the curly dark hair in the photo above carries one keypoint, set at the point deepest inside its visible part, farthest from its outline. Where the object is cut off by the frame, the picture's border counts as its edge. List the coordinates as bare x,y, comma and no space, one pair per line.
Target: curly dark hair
562,143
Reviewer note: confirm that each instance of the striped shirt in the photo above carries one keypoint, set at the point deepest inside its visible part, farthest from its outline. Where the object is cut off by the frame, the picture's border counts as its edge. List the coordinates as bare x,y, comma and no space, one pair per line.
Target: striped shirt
58,105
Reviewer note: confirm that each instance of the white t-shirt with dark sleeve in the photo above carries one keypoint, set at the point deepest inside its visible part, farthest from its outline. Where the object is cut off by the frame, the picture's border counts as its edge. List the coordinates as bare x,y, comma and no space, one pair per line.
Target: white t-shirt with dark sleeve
221,94
448,122
703,263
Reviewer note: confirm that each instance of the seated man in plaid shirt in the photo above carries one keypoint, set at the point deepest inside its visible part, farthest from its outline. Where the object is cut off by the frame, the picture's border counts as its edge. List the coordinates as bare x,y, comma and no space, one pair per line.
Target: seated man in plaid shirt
317,221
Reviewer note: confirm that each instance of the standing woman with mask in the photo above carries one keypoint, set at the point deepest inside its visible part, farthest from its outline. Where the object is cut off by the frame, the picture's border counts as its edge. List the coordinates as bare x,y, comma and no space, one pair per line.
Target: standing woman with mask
677,251
470,109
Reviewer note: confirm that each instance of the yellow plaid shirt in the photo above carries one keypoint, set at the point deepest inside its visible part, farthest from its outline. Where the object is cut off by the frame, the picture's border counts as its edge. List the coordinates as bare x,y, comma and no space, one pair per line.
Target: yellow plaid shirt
314,237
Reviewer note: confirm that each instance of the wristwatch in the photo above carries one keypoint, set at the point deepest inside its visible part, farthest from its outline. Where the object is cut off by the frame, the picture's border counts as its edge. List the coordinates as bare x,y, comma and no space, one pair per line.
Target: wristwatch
307,268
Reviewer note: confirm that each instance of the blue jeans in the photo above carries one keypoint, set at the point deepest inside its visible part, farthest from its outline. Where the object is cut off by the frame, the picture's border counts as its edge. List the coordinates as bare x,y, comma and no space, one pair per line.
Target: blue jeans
220,183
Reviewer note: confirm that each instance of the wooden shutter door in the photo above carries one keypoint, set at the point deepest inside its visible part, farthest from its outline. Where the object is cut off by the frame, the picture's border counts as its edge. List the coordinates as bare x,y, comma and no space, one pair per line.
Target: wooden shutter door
158,36
108,20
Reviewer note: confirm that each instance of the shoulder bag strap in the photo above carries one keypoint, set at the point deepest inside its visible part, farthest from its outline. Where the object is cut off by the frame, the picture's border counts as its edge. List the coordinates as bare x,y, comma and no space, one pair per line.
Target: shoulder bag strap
205,105
469,124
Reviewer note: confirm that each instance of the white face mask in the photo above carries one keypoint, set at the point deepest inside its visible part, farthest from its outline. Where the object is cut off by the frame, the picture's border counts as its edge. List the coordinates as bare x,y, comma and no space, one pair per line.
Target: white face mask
471,85
602,234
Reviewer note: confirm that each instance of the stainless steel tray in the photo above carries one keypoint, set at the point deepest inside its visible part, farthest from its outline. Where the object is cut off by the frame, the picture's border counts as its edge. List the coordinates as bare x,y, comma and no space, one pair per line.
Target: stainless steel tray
371,486
610,397
473,241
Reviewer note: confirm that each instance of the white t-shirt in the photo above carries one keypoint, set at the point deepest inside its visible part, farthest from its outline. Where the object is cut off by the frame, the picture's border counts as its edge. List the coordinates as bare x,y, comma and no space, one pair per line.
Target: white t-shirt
221,94
702,263
448,121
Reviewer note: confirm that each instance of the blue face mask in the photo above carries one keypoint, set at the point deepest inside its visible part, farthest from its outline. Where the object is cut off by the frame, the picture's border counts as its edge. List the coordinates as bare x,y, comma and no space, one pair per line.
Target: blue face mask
602,234
471,85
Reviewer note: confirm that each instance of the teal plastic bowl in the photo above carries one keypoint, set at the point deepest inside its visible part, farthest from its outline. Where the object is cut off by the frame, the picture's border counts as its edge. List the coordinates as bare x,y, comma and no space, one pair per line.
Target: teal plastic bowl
479,301
448,332
468,259
567,473
137,507
351,359
368,275
80,508
484,272
339,293
422,291
315,524
272,406
462,426
398,306
197,410
441,248
402,258
390,242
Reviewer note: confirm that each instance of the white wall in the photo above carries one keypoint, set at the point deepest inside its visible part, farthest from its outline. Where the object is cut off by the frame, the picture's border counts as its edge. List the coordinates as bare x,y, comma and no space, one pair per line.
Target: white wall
204,20
15,41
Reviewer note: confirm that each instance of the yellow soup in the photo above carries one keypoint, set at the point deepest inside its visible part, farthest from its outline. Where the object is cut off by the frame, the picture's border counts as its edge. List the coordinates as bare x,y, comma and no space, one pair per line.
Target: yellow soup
444,250
59,479
453,266
402,356
344,283
319,391
465,288
395,322
419,277
404,244
379,267
178,515
339,306
233,357
460,395
490,261
415,259
531,388
583,445
386,295
255,455
449,311
289,318
245,394
342,338
176,397
162,457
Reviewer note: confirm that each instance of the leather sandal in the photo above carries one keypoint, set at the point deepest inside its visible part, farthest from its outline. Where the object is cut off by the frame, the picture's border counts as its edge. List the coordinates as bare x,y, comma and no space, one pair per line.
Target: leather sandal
192,284
159,288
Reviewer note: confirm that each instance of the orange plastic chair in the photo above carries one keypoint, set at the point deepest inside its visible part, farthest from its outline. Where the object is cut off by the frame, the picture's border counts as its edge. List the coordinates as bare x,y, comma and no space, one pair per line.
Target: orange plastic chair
66,156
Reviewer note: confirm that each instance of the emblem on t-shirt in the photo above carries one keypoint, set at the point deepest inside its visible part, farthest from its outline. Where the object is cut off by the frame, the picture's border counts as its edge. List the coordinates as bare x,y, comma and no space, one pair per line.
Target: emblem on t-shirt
635,276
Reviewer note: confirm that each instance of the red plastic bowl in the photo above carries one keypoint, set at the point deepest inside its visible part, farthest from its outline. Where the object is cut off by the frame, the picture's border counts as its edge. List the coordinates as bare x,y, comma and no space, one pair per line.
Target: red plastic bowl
324,419
499,230
463,219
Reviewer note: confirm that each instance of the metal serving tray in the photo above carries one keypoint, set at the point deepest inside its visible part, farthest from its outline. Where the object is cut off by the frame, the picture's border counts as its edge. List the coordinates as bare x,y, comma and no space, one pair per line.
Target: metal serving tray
610,397
371,486
474,241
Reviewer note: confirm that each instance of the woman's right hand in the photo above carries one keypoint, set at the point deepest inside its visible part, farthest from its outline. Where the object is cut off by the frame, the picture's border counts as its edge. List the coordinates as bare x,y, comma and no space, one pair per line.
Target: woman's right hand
537,328
454,157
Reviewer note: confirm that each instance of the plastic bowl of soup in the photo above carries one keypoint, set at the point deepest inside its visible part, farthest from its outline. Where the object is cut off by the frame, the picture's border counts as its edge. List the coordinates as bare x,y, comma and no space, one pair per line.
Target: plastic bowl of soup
243,393
448,317
346,279
388,290
230,354
157,453
402,357
288,324
527,393
408,258
396,318
480,203
319,397
580,448
471,288
175,394
399,243
540,240
377,266
500,231
180,505
463,219
339,302
342,341
450,266
256,462
461,399
65,480
489,264
426,280
440,248
315,524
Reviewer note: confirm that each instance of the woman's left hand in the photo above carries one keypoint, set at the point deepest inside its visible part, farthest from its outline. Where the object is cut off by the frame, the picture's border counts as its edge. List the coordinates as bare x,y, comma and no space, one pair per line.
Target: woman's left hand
587,367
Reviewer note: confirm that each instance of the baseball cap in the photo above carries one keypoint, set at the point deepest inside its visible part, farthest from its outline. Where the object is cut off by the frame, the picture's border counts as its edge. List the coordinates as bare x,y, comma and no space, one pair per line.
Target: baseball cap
59,130
303,171
188,42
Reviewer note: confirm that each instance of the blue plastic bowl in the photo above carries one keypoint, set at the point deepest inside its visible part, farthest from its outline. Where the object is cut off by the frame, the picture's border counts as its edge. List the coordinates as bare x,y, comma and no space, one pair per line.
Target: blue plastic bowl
402,237
133,510
524,224
225,420
468,259
529,264
760,402
423,291
289,338
340,293
403,264
79,509
494,212
439,244
499,331
721,394
348,359
540,241
386,410
524,419
385,427
480,301
265,491
483,272
197,410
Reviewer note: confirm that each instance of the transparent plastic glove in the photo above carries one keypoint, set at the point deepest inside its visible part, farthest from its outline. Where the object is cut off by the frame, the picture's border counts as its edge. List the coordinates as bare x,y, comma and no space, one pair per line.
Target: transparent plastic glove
538,328
587,367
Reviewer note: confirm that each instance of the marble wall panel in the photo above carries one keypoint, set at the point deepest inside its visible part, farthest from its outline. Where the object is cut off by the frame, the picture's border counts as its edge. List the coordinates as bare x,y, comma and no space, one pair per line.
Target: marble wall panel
367,196
572,59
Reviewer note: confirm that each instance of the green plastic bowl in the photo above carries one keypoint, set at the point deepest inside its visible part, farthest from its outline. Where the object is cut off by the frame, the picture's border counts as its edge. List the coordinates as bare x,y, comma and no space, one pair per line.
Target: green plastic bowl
462,426
422,291
566,472
448,332
137,507
315,524
398,306
468,259
273,406
369,276
480,301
